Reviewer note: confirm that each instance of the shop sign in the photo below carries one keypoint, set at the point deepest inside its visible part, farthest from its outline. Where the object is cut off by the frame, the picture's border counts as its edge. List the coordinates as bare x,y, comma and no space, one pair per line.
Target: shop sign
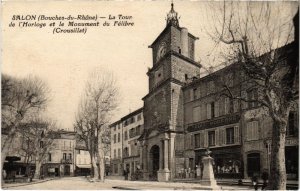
290,142
51,169
178,153
214,123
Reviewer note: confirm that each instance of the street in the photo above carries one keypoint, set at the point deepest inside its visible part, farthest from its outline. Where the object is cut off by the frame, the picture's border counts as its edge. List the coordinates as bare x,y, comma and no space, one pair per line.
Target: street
81,183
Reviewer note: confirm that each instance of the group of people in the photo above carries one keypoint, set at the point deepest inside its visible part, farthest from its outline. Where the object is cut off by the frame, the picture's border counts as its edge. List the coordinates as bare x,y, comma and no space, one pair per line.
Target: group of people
264,177
228,169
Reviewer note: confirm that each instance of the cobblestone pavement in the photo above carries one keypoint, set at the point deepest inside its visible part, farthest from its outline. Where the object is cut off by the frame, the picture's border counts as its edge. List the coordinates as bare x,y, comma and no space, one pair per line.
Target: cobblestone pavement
81,183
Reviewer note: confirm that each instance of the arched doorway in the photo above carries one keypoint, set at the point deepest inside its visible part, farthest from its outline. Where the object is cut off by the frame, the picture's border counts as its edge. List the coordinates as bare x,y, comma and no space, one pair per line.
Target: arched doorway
154,155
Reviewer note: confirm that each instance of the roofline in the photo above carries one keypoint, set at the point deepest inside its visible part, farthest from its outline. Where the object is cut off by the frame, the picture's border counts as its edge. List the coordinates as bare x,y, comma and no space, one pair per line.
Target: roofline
132,113
236,64
114,123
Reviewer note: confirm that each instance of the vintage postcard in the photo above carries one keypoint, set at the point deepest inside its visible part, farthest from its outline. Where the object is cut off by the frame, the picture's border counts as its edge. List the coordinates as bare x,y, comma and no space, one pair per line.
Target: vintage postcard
149,95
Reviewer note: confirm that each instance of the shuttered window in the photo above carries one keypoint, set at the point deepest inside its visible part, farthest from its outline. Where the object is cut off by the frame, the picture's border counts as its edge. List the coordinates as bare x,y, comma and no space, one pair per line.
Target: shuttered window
252,130
217,109
211,138
197,140
202,145
208,110
230,135
236,134
196,114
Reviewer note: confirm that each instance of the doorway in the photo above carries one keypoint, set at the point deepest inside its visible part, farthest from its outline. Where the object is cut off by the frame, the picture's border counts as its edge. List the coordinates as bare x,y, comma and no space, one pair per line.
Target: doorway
253,164
154,154
67,170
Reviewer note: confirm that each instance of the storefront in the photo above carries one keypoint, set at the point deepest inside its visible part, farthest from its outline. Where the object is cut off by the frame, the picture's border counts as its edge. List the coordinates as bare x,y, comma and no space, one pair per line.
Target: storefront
116,167
83,169
132,167
291,161
227,161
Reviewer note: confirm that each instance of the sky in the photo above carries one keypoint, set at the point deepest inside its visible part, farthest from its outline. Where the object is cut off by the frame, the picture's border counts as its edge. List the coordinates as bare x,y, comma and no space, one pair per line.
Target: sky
64,61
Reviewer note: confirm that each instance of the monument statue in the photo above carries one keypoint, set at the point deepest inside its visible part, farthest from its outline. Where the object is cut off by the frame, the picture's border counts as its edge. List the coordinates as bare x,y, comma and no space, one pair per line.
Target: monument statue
208,178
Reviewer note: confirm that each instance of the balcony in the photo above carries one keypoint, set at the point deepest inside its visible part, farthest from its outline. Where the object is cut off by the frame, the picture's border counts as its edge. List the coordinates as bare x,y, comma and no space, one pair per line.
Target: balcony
66,161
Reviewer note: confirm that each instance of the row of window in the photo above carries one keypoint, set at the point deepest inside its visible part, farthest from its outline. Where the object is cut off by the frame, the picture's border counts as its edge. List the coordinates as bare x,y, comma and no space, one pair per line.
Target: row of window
115,138
215,109
119,153
223,106
210,87
132,119
66,156
129,121
216,137
132,133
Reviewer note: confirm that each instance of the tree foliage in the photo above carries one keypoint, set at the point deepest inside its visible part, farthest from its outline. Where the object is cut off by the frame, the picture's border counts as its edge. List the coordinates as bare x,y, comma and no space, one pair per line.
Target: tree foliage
259,36
20,99
99,101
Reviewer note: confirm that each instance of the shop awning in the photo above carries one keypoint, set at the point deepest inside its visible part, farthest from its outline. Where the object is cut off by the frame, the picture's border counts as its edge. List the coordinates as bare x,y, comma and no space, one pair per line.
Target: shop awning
83,165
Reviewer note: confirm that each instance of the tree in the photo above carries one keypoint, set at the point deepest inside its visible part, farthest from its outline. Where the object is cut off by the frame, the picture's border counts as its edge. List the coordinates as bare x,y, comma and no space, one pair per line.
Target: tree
37,140
20,98
261,41
95,110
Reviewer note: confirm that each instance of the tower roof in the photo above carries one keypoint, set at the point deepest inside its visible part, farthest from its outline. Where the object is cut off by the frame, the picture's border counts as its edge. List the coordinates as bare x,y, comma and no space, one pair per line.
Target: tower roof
172,18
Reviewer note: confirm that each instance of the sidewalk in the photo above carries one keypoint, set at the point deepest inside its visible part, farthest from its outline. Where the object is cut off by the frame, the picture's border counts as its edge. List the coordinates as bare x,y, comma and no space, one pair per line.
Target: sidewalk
151,185
291,184
34,181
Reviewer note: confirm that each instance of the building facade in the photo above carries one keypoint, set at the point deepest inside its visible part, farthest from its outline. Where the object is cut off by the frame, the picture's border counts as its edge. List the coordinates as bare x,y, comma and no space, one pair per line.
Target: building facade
184,114
61,158
213,120
116,148
82,160
125,149
58,162
133,126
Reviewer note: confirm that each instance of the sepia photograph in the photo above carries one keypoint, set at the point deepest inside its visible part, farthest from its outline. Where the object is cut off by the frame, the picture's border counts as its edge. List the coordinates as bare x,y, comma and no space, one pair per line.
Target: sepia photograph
149,95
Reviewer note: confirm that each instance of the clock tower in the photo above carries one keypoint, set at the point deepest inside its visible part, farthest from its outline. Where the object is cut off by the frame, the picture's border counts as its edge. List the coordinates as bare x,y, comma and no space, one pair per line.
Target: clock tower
173,63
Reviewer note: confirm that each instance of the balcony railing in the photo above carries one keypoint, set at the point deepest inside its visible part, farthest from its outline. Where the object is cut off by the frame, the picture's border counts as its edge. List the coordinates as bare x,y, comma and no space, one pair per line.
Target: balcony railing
66,161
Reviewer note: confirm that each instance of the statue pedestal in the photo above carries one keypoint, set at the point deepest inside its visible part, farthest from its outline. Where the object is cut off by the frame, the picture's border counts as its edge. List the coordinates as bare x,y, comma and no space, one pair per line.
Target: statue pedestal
163,175
208,178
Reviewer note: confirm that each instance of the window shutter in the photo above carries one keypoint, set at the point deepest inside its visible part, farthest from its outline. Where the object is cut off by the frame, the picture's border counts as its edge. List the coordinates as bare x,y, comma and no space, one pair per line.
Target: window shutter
208,109
220,137
226,105
217,137
217,108
205,139
196,114
224,136
255,130
236,135
202,139
235,105
191,95
192,142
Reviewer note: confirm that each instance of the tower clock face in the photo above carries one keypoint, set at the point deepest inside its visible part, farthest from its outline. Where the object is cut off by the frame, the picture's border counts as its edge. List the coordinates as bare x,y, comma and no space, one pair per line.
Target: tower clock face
161,51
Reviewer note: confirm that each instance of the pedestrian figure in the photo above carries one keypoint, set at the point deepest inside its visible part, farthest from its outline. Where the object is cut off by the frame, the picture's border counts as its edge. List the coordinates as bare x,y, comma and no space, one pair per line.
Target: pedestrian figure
202,167
254,182
264,177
